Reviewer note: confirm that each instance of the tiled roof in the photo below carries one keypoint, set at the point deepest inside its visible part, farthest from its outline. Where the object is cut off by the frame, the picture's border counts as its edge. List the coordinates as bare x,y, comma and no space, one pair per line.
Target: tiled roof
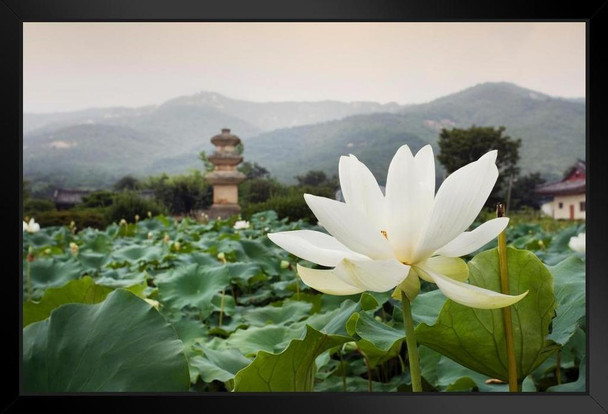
563,187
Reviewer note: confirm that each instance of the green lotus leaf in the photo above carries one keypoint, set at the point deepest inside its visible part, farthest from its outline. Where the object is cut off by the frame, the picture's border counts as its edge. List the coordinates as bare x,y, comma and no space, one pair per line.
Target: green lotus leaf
138,253
569,278
475,337
219,365
193,285
282,314
291,370
119,345
51,272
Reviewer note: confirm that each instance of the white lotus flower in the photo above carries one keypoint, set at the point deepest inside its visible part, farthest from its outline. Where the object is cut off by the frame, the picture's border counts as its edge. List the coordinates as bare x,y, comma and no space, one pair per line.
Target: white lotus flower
241,225
31,226
411,232
577,243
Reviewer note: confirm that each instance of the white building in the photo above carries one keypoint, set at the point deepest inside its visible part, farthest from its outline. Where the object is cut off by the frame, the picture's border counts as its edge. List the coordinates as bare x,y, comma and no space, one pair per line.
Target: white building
569,202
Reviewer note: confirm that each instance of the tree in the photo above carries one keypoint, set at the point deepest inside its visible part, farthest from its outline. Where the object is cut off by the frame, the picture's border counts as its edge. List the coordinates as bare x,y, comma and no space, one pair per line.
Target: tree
523,193
313,178
254,170
458,147
208,165
127,183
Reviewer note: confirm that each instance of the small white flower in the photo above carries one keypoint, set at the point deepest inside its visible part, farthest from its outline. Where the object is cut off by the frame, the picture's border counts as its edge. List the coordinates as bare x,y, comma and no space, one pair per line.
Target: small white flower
577,243
150,235
241,224
123,222
375,241
31,226
284,264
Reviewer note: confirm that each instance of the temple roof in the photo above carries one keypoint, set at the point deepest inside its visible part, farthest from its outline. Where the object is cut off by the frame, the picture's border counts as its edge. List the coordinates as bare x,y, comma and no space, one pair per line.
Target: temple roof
574,182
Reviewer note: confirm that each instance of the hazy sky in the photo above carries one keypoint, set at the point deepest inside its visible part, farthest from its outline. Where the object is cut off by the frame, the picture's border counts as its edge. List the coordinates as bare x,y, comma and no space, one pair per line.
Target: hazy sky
69,66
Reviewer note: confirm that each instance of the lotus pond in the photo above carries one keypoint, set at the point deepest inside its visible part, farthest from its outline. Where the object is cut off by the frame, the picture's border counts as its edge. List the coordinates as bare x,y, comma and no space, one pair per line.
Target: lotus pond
167,306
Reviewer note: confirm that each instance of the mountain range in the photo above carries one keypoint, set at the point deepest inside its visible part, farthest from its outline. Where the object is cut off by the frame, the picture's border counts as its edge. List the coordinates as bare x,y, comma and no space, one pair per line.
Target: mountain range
94,147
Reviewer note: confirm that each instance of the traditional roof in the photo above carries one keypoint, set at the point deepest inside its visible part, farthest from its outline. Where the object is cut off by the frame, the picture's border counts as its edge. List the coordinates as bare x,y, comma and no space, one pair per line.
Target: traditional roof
574,182
69,196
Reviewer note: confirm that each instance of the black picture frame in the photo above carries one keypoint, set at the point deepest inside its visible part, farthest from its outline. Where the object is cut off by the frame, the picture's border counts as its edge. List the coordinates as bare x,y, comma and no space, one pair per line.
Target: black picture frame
13,13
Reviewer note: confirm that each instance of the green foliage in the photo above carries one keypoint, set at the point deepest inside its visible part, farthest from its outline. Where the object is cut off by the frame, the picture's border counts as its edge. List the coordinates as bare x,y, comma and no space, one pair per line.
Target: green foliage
523,192
315,178
266,312
121,345
128,204
459,147
290,206
181,194
253,170
82,218
102,198
291,370
475,337
32,207
289,202
127,183
259,190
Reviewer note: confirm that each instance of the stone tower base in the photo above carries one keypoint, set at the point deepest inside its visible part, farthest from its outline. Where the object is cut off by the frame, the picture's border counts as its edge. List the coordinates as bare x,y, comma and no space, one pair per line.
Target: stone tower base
223,210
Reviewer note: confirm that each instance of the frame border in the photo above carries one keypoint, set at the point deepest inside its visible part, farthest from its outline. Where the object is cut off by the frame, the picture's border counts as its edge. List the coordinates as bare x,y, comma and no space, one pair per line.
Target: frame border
13,13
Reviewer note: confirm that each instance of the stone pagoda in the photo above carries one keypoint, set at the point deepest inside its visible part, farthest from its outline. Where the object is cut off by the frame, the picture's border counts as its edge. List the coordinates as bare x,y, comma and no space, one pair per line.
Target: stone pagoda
225,178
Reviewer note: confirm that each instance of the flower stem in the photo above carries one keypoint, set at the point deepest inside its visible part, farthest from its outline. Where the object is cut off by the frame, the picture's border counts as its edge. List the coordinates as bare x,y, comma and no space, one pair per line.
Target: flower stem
412,346
558,368
506,311
28,280
222,307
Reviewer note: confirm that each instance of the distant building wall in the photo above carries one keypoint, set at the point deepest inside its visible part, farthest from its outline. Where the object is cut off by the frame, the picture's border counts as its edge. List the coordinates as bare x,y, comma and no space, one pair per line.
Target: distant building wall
566,206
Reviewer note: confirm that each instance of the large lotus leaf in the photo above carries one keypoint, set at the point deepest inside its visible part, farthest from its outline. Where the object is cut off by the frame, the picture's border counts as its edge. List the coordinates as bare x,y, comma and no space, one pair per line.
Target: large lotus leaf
120,278
76,291
475,337
92,261
291,370
334,321
377,333
193,286
51,272
257,252
138,253
289,311
204,259
38,239
270,338
426,307
570,293
219,365
120,344
446,375
96,242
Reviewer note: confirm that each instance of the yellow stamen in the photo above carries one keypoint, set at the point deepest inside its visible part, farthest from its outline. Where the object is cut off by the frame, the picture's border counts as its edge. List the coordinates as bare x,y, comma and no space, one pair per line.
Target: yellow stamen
384,234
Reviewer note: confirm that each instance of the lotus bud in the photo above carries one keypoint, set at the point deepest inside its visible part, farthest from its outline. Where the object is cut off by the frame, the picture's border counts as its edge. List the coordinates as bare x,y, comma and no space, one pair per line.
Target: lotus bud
150,235
74,248
136,218
123,222
149,214
167,239
154,303
284,264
